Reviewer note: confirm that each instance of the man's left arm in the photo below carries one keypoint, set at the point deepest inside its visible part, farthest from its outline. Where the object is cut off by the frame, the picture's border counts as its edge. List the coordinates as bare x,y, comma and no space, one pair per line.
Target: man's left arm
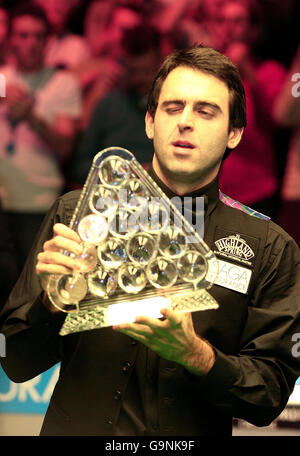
255,383
174,339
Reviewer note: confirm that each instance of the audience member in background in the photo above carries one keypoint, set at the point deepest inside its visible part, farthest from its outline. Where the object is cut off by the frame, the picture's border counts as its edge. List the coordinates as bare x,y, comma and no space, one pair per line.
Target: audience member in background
118,119
249,174
185,22
8,262
64,49
105,25
287,113
177,22
200,24
38,123
3,34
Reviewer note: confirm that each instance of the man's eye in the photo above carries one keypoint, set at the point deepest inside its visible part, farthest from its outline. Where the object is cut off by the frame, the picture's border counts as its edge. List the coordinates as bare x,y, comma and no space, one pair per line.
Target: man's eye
173,110
205,113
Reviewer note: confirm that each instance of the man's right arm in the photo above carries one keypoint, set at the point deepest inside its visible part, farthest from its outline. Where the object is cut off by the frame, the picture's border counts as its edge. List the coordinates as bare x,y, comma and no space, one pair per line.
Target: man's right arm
33,344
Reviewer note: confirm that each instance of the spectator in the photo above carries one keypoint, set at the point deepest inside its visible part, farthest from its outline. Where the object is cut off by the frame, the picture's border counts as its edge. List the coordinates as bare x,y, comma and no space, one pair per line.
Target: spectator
39,118
203,25
249,174
287,113
105,25
118,119
3,34
8,263
64,49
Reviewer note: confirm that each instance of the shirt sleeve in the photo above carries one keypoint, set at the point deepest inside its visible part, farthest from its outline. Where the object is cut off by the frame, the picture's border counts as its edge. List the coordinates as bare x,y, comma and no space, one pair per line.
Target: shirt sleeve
255,384
62,97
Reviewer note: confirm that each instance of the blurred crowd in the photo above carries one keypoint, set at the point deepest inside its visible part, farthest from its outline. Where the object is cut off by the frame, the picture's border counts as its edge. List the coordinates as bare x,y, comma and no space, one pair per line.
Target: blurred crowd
75,76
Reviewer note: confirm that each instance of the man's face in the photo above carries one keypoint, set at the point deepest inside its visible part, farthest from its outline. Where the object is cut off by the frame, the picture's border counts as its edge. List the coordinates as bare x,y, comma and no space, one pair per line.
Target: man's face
28,41
57,11
3,25
190,128
234,23
141,71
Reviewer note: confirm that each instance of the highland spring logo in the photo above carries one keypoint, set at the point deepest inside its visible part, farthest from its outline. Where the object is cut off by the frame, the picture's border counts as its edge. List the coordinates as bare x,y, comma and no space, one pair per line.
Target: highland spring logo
235,246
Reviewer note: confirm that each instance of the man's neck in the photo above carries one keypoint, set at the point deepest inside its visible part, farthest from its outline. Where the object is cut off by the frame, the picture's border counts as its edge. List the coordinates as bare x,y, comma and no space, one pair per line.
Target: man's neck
182,187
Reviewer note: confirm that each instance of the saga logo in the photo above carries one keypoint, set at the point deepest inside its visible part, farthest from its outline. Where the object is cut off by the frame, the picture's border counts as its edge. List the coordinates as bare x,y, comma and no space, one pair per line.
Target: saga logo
230,276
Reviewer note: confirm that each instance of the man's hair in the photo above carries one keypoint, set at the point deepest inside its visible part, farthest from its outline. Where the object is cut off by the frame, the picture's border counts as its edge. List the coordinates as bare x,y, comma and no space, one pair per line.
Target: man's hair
209,61
30,9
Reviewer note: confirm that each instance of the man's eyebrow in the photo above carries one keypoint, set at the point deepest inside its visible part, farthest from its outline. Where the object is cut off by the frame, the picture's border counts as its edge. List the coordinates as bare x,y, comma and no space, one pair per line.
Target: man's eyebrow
167,103
207,104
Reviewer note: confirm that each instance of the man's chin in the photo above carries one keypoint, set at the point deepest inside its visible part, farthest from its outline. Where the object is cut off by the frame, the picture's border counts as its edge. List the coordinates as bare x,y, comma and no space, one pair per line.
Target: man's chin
180,170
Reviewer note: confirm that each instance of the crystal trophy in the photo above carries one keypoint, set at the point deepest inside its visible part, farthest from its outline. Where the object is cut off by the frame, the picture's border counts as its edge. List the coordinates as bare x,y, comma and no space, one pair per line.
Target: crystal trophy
140,254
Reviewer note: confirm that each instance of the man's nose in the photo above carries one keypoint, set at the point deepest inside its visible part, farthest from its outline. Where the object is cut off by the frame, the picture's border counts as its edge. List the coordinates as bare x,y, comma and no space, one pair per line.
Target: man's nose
31,41
186,119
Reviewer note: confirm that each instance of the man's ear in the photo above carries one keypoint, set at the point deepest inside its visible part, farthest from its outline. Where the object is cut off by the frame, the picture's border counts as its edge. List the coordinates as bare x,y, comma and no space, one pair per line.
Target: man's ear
149,125
234,137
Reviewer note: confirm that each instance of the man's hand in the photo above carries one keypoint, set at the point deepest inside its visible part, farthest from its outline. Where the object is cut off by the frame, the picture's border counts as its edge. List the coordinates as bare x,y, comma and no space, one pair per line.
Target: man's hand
51,260
19,103
174,339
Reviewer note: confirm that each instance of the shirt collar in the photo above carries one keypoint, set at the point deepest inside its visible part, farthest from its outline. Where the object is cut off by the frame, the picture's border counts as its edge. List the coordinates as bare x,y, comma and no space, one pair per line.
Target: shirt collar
210,192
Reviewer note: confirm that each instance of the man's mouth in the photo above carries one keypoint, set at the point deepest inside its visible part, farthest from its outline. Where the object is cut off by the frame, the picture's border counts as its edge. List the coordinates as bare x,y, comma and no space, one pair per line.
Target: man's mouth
183,144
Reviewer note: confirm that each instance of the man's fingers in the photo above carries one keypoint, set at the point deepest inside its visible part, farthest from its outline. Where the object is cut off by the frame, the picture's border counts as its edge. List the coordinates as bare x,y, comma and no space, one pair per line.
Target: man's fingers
173,317
130,333
58,259
51,260
173,321
61,243
151,322
64,239
62,230
46,268
135,328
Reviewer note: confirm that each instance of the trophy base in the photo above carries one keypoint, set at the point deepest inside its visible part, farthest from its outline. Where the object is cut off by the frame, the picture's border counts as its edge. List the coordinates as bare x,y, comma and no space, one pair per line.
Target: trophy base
101,316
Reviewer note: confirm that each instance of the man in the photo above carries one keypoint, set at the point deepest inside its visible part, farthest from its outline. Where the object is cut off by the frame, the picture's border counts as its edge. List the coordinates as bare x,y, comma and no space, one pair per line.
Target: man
119,117
39,117
64,49
185,374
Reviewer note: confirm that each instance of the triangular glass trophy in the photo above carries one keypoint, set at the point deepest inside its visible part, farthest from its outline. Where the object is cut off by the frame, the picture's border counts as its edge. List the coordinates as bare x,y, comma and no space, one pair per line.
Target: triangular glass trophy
140,253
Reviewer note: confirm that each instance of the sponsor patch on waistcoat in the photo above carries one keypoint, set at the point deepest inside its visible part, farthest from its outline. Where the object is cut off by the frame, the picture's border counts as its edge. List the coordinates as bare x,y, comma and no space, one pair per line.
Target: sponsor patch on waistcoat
235,253
230,275
234,246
